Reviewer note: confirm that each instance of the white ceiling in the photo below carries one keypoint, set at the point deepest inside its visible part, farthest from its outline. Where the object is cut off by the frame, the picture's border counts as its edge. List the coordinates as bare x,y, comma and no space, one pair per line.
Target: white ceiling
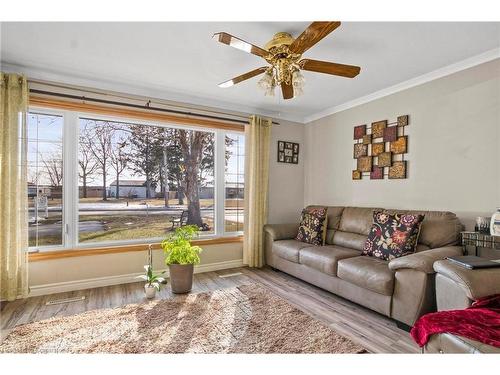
181,60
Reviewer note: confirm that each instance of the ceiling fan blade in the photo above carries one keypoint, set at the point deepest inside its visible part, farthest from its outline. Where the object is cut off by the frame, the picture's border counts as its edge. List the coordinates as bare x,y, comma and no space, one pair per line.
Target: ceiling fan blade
287,90
312,35
240,44
349,71
243,77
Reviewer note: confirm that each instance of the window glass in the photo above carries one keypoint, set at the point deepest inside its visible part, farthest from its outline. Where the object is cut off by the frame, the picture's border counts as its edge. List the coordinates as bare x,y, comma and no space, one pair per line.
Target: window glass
142,181
45,179
234,183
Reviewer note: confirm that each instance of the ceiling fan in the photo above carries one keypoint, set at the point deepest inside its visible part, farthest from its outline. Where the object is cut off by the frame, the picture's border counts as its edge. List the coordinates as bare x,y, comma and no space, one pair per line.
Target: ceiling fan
284,53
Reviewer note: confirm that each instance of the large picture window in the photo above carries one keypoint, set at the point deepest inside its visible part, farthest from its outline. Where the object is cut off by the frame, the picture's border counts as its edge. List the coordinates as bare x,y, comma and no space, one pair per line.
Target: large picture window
129,181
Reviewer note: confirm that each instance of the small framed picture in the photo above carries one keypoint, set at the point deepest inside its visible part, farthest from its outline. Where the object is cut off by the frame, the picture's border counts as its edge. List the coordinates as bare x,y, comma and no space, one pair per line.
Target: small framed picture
288,152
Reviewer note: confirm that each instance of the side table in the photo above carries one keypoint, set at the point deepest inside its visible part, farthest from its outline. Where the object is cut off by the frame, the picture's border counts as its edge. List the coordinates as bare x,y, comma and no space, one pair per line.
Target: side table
477,239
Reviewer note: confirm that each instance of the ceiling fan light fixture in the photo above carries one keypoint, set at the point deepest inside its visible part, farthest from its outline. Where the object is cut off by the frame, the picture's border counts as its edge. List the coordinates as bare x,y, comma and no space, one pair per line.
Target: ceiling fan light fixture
283,53
266,82
298,82
269,91
298,91
298,78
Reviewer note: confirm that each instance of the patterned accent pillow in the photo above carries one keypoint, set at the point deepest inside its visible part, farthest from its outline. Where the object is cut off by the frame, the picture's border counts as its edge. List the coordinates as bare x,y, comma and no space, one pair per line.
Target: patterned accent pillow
392,236
312,227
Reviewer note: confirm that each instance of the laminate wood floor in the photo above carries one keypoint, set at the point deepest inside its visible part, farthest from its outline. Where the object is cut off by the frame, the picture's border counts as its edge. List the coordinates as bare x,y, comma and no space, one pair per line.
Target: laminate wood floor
373,331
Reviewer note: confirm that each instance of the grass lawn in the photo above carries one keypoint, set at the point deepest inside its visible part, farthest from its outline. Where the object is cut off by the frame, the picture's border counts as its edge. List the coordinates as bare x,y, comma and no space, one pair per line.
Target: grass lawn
125,227
52,240
129,227
47,240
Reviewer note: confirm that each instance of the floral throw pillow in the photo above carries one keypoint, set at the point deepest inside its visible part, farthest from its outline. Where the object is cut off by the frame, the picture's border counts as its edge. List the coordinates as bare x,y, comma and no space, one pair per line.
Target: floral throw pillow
392,236
312,227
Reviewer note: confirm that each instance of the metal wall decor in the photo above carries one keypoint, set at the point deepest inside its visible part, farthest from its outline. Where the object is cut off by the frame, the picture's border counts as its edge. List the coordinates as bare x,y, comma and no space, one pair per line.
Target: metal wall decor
288,152
379,150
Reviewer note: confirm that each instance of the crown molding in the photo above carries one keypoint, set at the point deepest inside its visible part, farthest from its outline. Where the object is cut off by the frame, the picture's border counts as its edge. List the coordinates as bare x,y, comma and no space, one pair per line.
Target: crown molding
439,73
157,92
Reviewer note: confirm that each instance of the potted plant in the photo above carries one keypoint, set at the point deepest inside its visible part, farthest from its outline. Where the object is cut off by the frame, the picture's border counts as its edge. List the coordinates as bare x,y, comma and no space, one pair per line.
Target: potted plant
181,256
153,281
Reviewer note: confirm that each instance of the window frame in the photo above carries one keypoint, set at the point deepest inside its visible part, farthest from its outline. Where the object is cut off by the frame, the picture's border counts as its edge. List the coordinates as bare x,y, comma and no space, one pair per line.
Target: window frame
70,213
64,214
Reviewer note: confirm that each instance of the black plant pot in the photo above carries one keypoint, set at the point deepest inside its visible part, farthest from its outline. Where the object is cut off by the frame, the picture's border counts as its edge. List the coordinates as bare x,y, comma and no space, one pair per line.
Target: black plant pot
181,277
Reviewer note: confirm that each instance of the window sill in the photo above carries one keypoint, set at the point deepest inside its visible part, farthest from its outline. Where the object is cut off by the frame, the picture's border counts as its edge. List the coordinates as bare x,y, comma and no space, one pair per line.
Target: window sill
58,254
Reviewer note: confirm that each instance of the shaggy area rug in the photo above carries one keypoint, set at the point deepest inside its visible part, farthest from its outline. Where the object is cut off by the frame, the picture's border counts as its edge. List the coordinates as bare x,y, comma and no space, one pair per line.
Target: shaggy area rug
246,319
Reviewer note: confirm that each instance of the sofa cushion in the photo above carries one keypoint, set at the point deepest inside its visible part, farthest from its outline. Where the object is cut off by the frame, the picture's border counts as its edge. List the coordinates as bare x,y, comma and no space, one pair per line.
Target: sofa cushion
357,220
392,236
349,240
333,216
367,272
333,213
312,228
325,258
439,228
289,249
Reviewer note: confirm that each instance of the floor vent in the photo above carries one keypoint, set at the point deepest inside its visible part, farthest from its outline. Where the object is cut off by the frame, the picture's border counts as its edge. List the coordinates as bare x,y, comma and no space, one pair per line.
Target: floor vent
64,300
231,274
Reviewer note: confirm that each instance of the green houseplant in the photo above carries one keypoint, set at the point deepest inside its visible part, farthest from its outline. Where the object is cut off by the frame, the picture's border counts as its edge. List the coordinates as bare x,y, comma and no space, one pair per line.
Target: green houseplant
153,280
181,256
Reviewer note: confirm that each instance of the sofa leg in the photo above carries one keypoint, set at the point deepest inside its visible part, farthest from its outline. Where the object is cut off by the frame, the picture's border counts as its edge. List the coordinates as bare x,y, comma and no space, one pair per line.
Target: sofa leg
403,326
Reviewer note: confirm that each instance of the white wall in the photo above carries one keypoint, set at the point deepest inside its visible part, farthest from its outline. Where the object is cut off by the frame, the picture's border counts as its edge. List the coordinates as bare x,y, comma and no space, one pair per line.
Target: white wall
64,274
454,148
286,181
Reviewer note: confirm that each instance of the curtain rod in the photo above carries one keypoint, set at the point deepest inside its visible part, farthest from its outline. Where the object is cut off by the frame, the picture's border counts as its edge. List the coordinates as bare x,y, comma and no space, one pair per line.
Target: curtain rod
146,106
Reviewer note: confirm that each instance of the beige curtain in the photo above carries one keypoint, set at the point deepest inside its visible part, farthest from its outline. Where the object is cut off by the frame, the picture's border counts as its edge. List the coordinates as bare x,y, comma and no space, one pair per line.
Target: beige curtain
13,194
257,144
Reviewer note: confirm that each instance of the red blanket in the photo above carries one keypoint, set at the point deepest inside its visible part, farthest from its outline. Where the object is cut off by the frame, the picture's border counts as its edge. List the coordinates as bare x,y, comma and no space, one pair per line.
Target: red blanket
480,322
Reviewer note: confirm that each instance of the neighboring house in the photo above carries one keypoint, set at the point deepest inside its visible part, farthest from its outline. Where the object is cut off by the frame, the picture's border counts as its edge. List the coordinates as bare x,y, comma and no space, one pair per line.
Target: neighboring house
130,189
34,190
235,190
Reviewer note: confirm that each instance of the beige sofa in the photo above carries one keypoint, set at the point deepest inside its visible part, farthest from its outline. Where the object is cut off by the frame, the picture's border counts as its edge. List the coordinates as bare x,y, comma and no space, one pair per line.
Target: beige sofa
402,288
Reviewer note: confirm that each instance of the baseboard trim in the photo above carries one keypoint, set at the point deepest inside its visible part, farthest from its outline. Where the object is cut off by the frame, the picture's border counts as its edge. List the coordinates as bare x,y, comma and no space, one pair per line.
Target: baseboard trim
69,286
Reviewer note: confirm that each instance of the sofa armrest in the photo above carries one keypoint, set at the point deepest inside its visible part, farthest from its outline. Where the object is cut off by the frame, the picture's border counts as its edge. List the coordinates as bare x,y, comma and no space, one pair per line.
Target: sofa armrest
282,231
424,260
474,283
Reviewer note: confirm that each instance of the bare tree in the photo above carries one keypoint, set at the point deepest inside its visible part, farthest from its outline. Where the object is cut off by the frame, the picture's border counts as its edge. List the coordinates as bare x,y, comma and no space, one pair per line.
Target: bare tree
34,175
192,143
86,160
100,145
53,166
119,161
